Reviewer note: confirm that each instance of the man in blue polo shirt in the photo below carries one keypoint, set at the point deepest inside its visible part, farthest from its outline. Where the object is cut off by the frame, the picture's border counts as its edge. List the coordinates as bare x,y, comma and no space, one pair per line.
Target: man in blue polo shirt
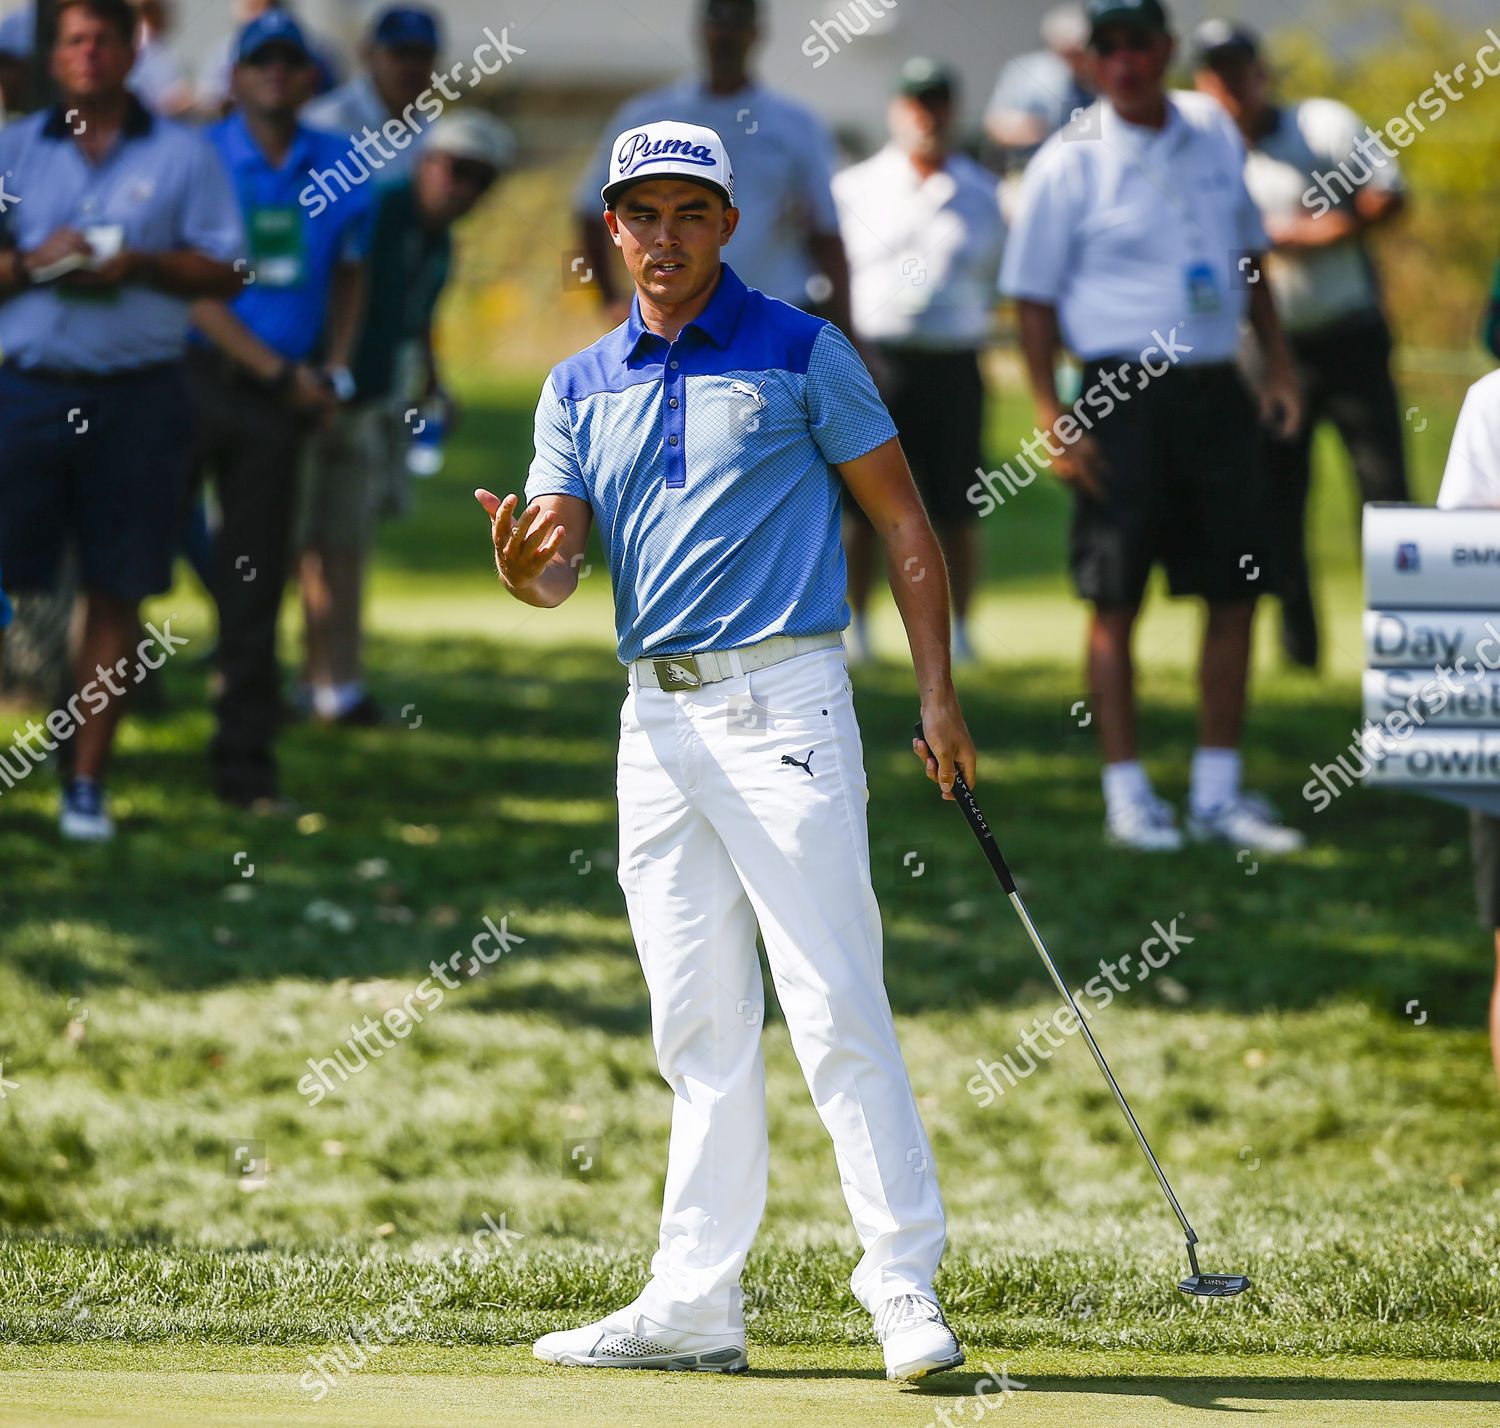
281,366
706,435
111,223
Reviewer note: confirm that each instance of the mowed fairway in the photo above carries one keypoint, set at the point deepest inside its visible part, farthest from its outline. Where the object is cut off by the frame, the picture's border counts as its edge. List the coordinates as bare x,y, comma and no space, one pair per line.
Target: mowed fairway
433,1388
182,1229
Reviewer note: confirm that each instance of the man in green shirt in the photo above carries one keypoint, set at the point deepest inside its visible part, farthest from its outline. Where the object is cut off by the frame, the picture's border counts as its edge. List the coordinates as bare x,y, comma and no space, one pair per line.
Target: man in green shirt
357,470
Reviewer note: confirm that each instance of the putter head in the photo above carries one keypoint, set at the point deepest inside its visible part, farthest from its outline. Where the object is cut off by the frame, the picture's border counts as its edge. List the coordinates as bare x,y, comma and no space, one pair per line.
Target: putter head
1215,1286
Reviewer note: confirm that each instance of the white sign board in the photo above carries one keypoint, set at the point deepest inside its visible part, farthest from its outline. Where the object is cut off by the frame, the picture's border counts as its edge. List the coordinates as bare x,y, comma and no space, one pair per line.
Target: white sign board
1432,652
1417,557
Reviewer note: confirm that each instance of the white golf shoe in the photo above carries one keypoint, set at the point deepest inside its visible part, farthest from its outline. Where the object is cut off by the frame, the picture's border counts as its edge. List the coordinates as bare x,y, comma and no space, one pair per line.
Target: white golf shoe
1248,821
628,1339
916,1338
1146,824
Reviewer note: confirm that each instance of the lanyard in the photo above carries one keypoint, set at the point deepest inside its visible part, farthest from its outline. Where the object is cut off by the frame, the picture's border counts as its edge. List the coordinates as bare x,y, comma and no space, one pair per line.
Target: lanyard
1169,140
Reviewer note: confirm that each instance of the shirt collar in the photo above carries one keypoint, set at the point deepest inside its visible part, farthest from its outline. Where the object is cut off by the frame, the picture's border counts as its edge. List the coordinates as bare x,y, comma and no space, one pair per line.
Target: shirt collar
716,322
241,150
138,121
1171,133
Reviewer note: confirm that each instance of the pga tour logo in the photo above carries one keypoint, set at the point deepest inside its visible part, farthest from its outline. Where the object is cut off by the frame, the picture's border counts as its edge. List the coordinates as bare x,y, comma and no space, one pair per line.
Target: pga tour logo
1408,557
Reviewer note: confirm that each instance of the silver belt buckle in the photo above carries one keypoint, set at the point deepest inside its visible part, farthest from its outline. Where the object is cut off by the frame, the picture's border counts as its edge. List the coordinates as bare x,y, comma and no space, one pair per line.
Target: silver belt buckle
678,672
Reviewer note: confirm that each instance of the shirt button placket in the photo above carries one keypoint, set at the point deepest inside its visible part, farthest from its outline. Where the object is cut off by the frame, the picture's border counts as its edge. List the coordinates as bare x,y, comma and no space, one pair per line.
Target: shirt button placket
674,423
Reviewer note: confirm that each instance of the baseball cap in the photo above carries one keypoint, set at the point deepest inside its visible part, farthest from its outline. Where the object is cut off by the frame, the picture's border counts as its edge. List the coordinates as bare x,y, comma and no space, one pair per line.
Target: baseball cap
473,134
1218,39
669,149
922,78
274,27
1140,14
406,25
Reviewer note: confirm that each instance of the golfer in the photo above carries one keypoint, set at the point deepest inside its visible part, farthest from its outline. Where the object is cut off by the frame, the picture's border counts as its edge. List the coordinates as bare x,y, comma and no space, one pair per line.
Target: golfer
706,436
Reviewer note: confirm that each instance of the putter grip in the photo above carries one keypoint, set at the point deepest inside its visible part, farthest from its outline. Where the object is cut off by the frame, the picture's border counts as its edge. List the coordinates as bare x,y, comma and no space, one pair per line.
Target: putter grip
981,828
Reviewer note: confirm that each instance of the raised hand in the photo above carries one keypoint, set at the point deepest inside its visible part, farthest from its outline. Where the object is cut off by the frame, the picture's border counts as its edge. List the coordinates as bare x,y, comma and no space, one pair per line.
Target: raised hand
524,544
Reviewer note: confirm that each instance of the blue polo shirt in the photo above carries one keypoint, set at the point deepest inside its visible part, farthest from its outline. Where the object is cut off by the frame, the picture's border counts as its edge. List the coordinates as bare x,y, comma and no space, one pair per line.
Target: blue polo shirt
708,464
160,188
295,237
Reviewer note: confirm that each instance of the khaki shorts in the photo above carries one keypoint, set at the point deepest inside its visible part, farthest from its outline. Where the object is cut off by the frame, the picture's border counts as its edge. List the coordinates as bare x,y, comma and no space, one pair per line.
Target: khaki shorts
355,474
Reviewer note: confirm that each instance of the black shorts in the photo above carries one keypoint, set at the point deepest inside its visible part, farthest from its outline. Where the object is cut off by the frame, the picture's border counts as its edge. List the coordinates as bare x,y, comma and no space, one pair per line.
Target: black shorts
1486,837
936,400
1184,487
101,465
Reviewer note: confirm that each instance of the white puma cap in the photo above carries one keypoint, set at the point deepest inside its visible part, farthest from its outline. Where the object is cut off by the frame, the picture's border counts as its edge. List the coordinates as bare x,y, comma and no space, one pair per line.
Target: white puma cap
669,149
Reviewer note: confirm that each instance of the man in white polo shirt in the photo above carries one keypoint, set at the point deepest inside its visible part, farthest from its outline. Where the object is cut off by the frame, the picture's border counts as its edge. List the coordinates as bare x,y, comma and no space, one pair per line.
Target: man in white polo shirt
783,155
1472,480
923,232
1136,246
1324,282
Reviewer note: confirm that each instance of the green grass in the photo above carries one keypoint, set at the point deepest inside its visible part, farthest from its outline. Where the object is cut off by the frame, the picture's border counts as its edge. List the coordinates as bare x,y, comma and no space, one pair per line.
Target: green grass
156,1005
838,1388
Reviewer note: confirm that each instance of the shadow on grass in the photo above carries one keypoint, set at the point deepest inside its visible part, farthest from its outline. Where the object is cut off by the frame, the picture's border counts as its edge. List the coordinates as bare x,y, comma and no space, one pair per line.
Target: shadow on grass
502,799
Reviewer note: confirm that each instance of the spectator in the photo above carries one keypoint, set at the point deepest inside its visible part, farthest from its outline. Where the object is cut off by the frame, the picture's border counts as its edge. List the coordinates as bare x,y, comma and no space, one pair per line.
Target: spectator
366,435
1324,283
156,77
95,285
923,231
783,158
263,389
1124,250
400,57
1471,481
214,83
358,468
1038,93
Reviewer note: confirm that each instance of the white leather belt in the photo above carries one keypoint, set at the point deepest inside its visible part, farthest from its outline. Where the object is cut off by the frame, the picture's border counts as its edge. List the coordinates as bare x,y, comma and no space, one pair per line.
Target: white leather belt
693,671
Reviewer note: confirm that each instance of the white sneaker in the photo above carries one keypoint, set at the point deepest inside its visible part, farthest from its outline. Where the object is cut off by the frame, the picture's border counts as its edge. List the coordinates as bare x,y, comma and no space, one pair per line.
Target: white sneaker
628,1339
916,1338
1146,824
1248,821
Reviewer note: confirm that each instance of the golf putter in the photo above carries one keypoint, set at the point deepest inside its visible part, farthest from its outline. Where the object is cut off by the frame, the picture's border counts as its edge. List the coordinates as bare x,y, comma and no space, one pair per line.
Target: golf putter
1208,1286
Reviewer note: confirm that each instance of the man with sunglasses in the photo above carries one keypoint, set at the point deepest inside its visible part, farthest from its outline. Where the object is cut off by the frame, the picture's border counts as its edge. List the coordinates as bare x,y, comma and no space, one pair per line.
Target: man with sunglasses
281,366
356,465
1324,279
1136,245
357,469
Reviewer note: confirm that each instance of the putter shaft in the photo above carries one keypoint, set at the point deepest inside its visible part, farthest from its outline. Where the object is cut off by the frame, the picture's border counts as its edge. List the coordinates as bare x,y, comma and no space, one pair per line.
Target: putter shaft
981,828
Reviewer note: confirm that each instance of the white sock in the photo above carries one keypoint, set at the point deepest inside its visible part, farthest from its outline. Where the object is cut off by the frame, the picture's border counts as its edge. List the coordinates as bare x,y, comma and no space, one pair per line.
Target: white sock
960,633
1124,783
1216,778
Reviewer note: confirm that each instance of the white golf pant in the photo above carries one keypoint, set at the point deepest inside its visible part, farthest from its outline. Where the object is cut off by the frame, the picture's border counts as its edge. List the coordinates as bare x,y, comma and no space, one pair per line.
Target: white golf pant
743,803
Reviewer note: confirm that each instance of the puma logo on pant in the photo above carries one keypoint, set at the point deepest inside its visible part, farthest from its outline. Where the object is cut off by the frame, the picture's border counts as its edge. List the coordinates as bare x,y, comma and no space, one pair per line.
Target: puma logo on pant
801,763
